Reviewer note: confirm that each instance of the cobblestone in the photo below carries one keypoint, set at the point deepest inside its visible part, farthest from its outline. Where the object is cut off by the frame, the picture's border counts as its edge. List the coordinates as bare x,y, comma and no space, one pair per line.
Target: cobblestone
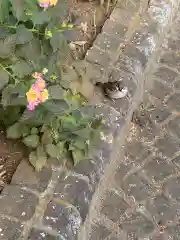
21,205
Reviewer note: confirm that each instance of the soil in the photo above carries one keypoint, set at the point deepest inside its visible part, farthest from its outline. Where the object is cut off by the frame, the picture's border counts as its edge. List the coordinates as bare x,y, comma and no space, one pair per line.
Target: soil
12,152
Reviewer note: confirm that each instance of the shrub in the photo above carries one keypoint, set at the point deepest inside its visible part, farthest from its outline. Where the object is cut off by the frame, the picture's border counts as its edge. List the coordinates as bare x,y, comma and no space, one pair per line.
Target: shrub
36,102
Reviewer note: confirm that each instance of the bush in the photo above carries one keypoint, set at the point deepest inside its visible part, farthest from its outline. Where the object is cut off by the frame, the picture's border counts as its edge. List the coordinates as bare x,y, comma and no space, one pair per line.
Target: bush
36,102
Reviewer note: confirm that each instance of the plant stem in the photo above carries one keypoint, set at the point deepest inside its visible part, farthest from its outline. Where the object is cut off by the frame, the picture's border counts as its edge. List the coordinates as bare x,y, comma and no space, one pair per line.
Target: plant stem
8,72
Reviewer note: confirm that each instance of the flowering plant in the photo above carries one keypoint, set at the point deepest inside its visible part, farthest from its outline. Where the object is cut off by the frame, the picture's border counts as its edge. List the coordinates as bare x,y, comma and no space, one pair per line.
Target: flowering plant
37,104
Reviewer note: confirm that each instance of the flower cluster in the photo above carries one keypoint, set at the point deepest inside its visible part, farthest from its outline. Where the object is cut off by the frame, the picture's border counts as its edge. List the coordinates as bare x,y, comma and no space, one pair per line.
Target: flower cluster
47,3
37,93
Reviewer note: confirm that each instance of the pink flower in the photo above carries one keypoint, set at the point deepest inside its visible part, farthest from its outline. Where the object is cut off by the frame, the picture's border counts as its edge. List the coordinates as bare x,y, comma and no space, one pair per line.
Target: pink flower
32,105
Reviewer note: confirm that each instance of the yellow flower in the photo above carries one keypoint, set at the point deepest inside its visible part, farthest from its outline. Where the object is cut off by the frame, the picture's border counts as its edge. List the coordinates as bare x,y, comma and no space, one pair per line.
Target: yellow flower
44,95
32,95
53,2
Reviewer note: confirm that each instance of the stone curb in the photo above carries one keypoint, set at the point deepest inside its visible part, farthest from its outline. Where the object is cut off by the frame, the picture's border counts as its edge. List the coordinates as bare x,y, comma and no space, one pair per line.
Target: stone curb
56,202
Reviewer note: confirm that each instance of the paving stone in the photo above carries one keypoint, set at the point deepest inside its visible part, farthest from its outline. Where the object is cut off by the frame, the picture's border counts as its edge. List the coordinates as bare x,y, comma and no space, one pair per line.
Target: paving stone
113,206
27,177
67,190
145,39
114,28
161,209
158,169
41,235
63,218
160,90
138,224
176,161
121,172
174,127
137,151
174,44
130,65
171,59
17,203
136,54
167,146
172,188
99,232
10,230
121,15
177,85
165,74
174,232
174,101
159,113
97,56
107,42
138,187
96,73
131,6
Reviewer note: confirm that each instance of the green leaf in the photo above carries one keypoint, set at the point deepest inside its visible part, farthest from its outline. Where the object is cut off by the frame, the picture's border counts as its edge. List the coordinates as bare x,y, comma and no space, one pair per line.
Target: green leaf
14,95
34,130
55,151
30,51
47,137
21,69
39,18
38,158
78,155
18,9
7,46
31,141
14,131
56,92
31,5
4,78
57,107
58,41
4,10
84,133
23,35
41,158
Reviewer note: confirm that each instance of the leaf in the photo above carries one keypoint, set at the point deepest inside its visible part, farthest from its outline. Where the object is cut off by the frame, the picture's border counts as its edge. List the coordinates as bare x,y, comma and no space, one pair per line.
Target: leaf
4,10
41,158
55,151
39,18
14,131
31,5
14,95
31,141
21,69
38,158
18,9
83,133
47,137
58,41
56,107
34,130
7,46
23,35
78,155
30,51
56,92
4,78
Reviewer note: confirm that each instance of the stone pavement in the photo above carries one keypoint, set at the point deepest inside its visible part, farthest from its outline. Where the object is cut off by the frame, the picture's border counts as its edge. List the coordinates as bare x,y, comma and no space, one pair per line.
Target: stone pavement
129,189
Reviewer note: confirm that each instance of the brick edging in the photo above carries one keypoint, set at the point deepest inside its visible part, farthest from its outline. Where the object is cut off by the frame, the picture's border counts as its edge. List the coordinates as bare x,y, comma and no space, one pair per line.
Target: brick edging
57,202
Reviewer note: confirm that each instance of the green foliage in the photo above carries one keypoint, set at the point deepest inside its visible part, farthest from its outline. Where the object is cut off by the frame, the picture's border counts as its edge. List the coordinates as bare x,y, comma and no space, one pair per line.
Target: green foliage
32,39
